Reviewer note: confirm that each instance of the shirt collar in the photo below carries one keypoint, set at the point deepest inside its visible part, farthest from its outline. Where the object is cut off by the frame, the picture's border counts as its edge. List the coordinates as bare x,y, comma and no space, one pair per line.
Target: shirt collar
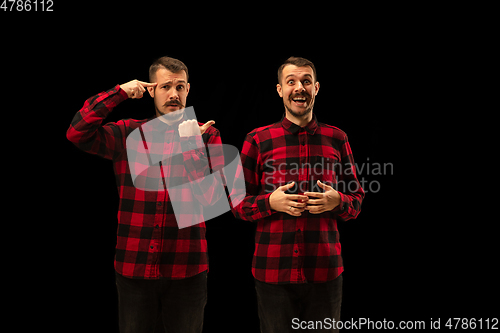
294,128
158,125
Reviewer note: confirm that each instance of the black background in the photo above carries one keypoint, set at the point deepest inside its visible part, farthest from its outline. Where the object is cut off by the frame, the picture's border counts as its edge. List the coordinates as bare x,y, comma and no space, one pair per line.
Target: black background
419,249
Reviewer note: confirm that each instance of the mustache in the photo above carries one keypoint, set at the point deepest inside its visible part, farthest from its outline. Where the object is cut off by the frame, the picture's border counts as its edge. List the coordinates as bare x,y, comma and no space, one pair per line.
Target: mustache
173,103
304,94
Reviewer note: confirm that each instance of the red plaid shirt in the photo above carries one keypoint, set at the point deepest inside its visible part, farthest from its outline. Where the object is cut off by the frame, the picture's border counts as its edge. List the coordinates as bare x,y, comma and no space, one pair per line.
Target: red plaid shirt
150,244
301,249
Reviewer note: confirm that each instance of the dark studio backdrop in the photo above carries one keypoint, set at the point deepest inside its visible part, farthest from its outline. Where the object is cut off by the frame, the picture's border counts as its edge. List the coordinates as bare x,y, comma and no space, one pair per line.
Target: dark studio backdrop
407,256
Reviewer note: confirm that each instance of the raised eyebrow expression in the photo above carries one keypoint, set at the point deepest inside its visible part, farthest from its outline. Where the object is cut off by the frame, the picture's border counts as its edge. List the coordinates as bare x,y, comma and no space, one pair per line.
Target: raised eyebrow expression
179,84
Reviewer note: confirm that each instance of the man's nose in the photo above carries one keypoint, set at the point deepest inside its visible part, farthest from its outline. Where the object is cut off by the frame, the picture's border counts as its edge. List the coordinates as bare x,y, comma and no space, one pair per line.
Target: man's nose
174,95
299,87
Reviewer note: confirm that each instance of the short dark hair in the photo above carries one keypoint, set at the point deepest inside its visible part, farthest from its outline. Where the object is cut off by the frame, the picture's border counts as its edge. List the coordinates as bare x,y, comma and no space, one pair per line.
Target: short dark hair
171,64
299,62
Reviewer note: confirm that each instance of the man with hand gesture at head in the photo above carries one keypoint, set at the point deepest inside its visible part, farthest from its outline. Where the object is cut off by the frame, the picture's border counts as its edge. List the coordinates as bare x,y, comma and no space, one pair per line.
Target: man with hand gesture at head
291,170
161,267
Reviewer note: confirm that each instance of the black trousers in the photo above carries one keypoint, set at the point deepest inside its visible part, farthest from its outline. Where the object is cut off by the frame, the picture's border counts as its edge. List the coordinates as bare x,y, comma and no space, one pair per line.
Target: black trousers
291,307
180,302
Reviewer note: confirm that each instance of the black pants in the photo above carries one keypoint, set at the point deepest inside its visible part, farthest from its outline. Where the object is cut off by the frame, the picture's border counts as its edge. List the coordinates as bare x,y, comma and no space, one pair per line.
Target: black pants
288,307
180,302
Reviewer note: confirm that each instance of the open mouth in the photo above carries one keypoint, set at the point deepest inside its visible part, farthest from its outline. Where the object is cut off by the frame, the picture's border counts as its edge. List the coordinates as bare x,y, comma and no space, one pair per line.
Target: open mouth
300,101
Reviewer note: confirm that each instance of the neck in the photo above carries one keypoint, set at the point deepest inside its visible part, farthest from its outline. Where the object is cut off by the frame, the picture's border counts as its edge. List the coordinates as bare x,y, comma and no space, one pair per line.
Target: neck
299,120
170,118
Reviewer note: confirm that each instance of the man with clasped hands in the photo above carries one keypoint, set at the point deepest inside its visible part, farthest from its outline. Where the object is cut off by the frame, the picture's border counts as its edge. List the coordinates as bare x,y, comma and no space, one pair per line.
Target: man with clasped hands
297,263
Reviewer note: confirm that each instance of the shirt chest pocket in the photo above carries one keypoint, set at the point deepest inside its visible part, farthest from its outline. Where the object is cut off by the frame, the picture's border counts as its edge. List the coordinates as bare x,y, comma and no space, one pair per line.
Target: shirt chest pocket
325,168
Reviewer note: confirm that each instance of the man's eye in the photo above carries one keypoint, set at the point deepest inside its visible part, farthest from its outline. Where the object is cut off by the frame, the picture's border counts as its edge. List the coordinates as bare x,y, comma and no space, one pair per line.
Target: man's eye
180,87
290,82
307,81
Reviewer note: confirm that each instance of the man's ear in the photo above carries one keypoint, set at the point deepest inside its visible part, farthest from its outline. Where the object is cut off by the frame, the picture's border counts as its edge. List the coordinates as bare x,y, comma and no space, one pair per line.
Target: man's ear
187,88
317,88
278,88
151,91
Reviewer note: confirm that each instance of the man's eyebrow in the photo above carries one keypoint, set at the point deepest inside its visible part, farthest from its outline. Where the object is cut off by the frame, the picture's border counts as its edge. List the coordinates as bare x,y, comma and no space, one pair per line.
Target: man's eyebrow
294,75
170,82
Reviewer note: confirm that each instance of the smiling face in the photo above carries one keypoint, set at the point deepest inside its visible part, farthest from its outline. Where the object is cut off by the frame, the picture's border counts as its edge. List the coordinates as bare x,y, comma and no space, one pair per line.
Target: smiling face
171,92
298,90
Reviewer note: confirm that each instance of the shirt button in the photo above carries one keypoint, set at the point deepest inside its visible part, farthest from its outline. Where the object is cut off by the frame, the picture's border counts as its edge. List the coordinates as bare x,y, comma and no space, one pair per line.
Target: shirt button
151,247
296,251
160,203
298,230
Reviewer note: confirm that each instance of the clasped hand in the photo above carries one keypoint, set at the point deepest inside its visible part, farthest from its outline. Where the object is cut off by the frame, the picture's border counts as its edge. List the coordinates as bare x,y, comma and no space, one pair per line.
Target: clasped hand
296,204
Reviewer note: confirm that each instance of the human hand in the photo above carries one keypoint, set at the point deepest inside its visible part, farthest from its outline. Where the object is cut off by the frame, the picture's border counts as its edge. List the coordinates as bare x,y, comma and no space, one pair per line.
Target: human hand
325,201
190,127
286,203
135,88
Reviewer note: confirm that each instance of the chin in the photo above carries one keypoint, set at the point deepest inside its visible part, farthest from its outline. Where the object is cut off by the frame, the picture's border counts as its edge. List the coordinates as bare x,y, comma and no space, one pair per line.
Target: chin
300,112
168,110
